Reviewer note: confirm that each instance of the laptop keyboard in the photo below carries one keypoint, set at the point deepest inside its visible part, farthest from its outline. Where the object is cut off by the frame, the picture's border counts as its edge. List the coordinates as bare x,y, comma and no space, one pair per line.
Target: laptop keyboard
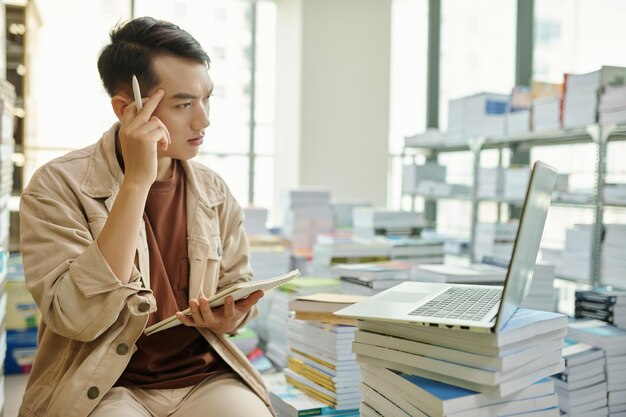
464,303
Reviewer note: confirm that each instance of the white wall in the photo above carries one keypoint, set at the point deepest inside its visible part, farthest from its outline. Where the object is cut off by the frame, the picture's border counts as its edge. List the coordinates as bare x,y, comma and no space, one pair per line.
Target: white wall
332,100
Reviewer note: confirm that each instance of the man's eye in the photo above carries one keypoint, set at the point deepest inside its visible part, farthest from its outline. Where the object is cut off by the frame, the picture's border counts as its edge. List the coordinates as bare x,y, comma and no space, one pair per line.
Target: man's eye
184,105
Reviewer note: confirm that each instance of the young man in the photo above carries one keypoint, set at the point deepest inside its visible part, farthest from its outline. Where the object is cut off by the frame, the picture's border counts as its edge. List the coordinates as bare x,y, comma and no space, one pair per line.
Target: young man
127,232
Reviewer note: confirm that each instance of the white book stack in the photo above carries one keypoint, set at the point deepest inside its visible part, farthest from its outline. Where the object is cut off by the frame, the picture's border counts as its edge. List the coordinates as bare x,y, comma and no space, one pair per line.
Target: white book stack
342,213
582,385
612,340
518,122
372,277
269,256
328,252
321,363
482,114
542,294
494,240
459,274
431,136
308,213
255,221
576,255
271,324
612,107
414,250
614,194
515,182
582,91
370,222
490,182
494,374
613,262
546,114
413,174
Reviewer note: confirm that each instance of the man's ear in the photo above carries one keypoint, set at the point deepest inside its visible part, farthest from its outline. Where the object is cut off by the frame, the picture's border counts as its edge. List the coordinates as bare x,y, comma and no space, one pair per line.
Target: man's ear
119,103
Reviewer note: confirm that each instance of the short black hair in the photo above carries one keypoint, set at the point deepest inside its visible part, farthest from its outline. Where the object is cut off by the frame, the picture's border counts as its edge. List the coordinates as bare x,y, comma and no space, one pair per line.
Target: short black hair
134,46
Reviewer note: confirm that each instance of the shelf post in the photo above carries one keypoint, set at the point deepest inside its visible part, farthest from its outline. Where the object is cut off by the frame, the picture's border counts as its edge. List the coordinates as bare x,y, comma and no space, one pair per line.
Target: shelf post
600,136
475,145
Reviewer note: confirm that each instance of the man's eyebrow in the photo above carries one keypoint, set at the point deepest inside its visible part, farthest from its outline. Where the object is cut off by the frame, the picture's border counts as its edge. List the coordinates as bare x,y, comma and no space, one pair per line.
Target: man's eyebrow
188,96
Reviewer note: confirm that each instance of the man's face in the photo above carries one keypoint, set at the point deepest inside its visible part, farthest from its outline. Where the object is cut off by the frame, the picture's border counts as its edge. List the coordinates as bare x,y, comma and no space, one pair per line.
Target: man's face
185,107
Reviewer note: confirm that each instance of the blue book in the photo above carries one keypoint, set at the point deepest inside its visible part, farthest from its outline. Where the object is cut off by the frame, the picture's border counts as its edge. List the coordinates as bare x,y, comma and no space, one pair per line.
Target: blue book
444,399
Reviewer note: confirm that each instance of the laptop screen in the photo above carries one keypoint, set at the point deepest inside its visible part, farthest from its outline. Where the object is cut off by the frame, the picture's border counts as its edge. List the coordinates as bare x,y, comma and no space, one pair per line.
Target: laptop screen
529,232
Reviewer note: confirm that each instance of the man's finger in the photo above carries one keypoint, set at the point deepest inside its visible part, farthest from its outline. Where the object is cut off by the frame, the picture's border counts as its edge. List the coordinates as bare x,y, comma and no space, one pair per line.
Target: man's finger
150,106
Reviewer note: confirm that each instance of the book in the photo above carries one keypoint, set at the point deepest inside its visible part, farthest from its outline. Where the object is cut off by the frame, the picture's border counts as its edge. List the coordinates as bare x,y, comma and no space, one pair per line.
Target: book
599,334
323,302
292,402
503,389
524,328
485,377
324,318
503,362
374,270
237,291
440,398
609,297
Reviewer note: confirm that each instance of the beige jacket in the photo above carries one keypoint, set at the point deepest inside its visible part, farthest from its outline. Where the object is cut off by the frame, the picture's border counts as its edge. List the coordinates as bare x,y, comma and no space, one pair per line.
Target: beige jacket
90,320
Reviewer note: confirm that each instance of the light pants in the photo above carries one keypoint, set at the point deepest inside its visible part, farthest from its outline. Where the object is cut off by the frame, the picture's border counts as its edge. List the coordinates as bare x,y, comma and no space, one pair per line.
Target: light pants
224,396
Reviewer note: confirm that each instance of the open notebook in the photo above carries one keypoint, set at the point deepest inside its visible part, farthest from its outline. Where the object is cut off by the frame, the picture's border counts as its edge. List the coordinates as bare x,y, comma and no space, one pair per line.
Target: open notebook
237,291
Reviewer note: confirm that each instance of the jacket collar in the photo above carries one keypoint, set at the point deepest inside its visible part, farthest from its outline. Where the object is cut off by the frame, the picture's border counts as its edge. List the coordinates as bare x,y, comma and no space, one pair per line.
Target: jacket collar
104,175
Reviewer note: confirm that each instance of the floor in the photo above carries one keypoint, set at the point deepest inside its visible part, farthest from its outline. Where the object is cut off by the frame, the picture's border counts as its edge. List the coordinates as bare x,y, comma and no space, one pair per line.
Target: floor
13,390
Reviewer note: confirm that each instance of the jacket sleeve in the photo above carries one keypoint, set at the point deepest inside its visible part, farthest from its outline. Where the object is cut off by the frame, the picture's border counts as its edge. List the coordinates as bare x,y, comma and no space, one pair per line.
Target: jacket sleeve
235,264
77,292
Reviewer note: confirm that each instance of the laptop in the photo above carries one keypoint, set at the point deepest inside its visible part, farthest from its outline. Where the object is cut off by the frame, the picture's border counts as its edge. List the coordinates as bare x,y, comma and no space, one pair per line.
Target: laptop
479,308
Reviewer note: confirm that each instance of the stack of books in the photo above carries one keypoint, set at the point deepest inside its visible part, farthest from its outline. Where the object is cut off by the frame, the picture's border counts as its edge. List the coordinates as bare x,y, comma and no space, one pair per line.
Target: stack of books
414,250
582,385
370,222
372,277
614,194
481,114
255,221
613,263
605,305
413,174
501,370
308,213
542,295
320,360
518,116
477,273
612,106
269,256
494,240
545,106
576,256
330,250
490,182
271,324
342,213
580,104
612,340
289,401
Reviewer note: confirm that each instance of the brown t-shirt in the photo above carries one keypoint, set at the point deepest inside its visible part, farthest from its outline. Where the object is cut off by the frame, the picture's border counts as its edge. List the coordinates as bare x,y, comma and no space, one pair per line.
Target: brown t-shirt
177,357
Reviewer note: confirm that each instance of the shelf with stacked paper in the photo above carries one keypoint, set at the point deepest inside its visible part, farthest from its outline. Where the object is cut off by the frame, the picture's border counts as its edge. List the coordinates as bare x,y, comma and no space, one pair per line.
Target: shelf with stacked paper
600,135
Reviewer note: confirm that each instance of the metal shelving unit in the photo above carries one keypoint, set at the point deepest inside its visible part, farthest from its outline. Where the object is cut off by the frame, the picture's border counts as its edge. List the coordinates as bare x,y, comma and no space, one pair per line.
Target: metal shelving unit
600,135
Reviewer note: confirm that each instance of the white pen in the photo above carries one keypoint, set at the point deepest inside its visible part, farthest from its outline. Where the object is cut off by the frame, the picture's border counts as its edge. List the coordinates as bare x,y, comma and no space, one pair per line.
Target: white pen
137,93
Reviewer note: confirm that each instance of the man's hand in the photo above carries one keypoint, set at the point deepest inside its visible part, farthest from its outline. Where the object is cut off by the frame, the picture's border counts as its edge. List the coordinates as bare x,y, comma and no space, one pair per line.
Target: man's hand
140,134
223,319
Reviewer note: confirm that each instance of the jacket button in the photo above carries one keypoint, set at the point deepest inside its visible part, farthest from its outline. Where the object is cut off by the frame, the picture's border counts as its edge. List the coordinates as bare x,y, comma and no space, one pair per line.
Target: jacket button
145,306
92,393
219,251
122,349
